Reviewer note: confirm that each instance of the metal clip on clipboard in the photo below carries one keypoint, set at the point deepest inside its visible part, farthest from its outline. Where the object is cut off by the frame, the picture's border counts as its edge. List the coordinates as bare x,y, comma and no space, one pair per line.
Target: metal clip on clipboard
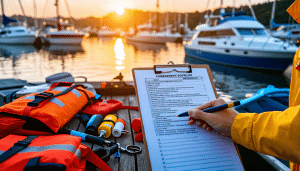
170,67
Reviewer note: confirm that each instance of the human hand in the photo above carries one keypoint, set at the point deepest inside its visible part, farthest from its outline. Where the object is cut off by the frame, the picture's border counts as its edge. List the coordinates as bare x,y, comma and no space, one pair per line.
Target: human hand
220,121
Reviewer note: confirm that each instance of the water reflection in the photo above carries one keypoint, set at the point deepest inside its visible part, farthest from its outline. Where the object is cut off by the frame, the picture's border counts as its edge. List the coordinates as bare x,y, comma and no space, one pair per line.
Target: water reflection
120,54
60,55
234,83
148,47
8,51
9,56
64,50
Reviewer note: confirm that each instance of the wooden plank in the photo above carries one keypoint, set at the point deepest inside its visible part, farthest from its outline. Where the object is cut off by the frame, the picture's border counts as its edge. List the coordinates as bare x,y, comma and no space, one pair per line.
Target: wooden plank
112,163
127,162
142,159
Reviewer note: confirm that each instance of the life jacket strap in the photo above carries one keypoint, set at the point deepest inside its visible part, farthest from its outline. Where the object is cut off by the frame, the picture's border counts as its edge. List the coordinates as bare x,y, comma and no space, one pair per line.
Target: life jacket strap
18,146
39,98
34,165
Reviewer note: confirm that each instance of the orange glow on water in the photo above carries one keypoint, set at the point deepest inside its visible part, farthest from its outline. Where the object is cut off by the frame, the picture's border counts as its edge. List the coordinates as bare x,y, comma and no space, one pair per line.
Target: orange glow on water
120,54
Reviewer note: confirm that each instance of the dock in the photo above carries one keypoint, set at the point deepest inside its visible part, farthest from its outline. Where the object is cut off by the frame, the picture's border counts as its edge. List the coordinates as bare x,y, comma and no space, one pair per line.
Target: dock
139,162
252,161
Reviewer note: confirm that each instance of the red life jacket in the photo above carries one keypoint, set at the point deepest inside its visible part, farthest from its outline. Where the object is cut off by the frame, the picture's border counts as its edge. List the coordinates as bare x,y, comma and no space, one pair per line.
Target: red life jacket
41,113
53,152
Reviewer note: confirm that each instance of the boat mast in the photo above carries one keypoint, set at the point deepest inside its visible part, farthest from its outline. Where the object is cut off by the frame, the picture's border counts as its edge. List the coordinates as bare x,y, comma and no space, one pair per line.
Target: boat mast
157,16
252,11
233,8
273,14
186,21
25,18
222,8
57,13
35,15
2,7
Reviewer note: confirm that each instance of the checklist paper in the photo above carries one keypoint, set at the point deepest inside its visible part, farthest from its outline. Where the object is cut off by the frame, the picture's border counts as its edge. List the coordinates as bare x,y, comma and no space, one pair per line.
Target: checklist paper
171,143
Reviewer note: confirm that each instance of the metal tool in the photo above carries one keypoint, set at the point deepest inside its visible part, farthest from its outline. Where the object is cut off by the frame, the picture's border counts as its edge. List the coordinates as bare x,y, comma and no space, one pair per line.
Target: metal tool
130,149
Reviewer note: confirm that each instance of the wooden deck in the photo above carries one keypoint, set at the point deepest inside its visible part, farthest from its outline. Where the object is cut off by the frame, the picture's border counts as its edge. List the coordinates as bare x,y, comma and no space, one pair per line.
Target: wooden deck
251,160
125,162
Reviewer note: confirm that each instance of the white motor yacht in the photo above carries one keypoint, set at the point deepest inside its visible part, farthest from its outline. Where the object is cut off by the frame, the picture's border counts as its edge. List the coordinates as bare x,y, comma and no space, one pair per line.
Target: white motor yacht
107,32
154,37
17,35
239,40
56,36
63,33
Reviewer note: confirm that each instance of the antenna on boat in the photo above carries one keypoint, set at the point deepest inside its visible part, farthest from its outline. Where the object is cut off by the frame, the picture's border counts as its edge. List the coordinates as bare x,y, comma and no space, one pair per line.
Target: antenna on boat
222,8
252,11
273,14
206,15
233,8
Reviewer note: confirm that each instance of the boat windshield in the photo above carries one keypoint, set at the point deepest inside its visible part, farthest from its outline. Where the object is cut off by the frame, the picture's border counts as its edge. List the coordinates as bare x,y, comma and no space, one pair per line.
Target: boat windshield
251,31
217,33
260,32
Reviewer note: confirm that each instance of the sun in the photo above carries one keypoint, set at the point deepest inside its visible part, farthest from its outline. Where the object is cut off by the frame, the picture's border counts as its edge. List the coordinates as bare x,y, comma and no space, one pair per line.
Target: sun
120,10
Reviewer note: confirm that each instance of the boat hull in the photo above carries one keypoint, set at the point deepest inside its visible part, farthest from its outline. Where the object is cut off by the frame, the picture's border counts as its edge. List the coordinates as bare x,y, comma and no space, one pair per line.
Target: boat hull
152,39
17,39
262,60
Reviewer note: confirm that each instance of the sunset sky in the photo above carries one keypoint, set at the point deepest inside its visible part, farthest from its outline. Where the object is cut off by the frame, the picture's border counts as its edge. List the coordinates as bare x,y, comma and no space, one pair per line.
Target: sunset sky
99,8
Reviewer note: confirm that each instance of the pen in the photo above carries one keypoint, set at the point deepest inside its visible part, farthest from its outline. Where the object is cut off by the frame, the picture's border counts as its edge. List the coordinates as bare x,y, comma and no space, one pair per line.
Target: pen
215,108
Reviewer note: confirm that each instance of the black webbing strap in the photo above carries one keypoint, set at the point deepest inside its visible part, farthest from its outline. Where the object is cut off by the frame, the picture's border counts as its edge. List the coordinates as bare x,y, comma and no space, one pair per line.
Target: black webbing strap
38,98
18,146
34,165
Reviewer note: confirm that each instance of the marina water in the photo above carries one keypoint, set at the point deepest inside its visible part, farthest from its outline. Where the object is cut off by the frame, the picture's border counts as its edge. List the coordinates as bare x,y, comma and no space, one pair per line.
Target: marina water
102,59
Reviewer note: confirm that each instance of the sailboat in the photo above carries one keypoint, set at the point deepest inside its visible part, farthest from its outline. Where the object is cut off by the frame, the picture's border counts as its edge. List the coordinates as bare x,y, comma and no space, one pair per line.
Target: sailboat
188,33
239,40
285,31
146,33
19,34
60,35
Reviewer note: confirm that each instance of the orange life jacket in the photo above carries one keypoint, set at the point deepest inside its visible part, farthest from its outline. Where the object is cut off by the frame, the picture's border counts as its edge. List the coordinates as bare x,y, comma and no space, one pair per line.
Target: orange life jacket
52,152
41,113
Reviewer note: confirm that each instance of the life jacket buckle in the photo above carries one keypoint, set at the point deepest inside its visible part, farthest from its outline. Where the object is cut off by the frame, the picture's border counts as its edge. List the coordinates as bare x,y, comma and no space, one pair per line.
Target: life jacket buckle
39,98
22,143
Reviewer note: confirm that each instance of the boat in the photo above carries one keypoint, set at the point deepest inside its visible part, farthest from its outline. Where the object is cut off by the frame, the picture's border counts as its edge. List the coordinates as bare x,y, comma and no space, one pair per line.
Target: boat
17,34
62,33
241,41
285,31
146,47
266,99
148,33
187,32
107,32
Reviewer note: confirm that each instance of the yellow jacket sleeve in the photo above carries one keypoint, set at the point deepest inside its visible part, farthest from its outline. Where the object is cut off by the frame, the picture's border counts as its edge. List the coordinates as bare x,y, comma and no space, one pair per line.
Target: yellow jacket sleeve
275,133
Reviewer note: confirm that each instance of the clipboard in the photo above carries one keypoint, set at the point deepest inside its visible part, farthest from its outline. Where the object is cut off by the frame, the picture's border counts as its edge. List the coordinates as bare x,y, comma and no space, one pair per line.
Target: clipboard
151,95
